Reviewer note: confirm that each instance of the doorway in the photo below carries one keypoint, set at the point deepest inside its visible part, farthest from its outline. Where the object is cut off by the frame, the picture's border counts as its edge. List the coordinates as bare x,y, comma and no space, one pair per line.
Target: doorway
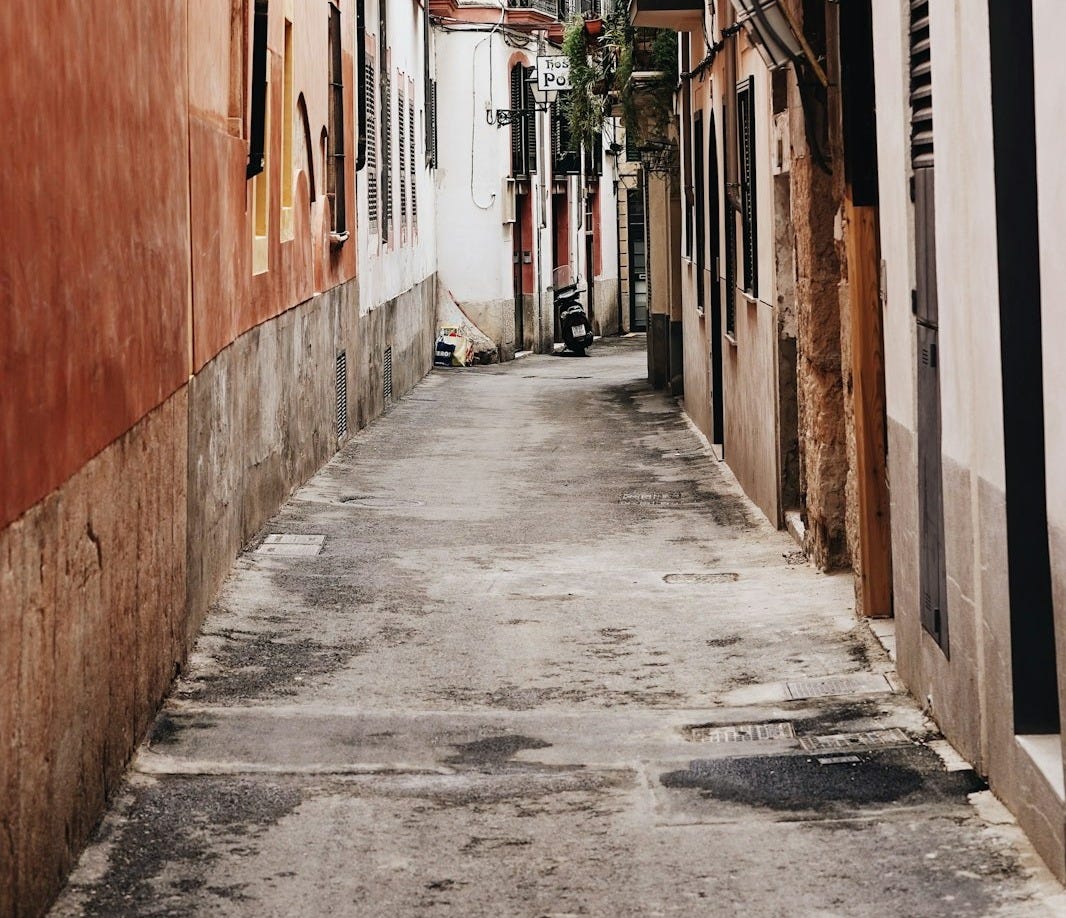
638,260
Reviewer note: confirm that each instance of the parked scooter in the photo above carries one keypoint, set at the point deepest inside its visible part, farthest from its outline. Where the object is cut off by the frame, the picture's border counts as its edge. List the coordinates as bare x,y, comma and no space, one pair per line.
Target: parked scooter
577,335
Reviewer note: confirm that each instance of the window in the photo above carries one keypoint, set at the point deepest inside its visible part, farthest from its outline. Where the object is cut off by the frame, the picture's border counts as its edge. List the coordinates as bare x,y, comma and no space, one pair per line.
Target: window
748,203
335,160
257,121
431,132
370,96
288,115
932,576
385,181
700,216
730,241
259,132
401,136
523,128
565,158
411,161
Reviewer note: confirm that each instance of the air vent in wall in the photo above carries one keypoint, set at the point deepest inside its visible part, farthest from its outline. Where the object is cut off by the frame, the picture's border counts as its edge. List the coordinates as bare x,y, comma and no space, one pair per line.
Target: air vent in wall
386,374
342,394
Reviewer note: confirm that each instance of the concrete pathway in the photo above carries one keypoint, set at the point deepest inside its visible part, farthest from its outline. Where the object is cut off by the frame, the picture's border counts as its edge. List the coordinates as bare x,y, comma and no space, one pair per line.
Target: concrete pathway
534,654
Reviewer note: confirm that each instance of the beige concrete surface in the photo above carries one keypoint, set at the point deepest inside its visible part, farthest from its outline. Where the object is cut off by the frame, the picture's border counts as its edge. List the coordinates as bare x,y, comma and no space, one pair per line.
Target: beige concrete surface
498,688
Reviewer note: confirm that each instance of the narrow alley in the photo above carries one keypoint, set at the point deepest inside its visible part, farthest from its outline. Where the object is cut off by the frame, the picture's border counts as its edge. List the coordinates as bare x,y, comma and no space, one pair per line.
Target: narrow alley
523,647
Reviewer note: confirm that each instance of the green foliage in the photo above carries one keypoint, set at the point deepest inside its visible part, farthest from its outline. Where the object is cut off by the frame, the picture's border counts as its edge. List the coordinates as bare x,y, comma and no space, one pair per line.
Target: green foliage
601,74
582,105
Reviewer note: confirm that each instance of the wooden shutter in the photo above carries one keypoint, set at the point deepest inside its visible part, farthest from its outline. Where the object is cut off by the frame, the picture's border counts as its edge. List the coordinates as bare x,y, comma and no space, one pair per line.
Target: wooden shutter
932,575
700,216
529,123
748,196
371,95
401,136
516,126
411,161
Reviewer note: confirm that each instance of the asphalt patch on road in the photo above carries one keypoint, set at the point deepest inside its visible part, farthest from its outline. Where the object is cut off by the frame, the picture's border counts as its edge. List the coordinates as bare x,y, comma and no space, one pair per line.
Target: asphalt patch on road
493,751
270,664
803,785
169,833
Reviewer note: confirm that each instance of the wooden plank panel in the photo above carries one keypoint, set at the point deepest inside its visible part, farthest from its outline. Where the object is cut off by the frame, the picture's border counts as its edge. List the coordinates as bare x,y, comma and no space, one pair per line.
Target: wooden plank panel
868,373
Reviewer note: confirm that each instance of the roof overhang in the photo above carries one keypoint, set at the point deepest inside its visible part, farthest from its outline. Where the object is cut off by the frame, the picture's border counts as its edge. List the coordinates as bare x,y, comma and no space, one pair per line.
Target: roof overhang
680,15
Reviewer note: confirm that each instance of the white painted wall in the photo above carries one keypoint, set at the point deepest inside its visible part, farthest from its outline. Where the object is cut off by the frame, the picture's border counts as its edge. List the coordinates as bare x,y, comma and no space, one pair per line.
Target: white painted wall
472,77
388,269
897,217
1049,25
967,284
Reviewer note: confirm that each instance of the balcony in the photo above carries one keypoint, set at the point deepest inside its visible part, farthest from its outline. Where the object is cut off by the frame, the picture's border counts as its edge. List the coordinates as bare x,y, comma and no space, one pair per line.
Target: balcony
680,15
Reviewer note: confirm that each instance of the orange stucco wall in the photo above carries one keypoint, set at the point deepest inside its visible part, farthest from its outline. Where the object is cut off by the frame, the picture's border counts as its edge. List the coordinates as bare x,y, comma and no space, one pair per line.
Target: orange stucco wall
126,263
94,269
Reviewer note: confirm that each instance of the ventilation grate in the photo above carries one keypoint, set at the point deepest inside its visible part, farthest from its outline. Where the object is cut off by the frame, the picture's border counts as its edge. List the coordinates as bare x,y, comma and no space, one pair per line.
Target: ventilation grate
342,394
386,374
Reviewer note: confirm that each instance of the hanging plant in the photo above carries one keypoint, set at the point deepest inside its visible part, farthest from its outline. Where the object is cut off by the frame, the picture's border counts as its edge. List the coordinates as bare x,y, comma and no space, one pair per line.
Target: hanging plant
601,77
583,105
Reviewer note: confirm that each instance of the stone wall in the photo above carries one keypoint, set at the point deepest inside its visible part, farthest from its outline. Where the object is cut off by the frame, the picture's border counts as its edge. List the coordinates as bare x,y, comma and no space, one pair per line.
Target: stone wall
92,613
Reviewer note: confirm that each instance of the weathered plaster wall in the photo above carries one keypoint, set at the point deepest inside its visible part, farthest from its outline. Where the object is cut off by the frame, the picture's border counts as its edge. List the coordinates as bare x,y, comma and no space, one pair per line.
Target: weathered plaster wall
92,585
820,390
407,324
261,420
969,693
606,318
749,356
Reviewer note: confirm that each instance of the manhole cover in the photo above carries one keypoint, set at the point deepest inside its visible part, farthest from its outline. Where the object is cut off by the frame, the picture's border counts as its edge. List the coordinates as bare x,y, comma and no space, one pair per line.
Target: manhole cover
870,738
711,577
291,545
653,498
370,502
740,733
862,684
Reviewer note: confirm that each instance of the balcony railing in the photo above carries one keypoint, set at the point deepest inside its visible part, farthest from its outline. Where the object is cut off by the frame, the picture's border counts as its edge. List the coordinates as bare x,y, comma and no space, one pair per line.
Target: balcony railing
564,10
548,7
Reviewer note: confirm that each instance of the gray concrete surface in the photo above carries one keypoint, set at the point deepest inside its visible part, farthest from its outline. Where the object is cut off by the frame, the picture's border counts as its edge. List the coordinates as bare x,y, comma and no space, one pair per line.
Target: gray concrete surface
494,692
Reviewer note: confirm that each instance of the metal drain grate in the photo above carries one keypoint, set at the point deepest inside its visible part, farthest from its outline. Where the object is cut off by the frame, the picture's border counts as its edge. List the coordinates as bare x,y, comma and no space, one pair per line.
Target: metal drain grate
291,545
715,577
740,733
653,498
342,394
862,684
869,739
386,374
381,503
